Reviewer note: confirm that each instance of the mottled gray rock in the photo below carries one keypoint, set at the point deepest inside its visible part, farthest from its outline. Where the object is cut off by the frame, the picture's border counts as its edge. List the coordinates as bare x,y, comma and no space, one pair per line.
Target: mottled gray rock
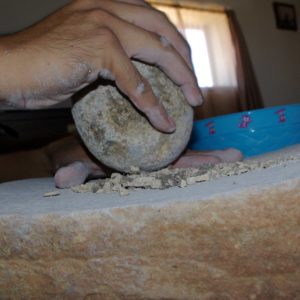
121,137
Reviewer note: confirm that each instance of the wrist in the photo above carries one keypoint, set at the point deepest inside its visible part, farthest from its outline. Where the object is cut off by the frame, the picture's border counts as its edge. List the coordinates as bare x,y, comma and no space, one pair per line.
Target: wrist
10,62
5,72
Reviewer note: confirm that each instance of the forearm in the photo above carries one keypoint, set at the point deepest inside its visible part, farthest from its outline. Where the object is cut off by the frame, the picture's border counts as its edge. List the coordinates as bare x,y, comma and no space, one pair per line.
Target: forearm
17,71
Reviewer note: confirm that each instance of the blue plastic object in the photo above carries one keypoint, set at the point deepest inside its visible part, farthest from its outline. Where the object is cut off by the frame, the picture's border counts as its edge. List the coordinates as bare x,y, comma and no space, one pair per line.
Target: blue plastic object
252,132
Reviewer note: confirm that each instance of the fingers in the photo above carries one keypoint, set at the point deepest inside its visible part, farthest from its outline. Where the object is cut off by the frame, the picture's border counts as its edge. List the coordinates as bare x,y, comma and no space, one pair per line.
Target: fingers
140,93
143,15
131,83
165,28
77,173
156,21
150,48
146,46
195,161
228,155
74,174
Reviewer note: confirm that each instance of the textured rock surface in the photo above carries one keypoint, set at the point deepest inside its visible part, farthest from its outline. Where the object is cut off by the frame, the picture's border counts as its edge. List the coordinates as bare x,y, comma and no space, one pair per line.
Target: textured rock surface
120,137
234,238
168,177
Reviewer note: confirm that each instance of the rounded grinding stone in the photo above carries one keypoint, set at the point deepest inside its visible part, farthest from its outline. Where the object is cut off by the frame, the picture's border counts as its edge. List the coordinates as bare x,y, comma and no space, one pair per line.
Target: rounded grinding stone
119,136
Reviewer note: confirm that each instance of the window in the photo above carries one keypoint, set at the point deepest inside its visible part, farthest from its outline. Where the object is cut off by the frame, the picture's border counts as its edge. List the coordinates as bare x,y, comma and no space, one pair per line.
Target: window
197,40
221,60
209,36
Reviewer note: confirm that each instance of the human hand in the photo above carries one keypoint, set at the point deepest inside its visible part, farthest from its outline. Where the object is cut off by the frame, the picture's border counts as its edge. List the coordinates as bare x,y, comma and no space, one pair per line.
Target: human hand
52,60
73,165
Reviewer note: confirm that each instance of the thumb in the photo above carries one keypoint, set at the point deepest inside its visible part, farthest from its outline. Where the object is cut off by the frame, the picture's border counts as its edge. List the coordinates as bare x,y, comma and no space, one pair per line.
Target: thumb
73,174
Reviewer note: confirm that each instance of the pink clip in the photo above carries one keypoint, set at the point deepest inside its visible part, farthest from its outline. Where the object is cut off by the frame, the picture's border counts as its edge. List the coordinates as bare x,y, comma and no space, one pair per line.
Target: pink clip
211,128
281,115
245,121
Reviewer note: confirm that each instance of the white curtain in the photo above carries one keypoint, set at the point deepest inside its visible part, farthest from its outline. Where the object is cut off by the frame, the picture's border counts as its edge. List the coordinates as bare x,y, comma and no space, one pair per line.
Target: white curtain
211,26
217,34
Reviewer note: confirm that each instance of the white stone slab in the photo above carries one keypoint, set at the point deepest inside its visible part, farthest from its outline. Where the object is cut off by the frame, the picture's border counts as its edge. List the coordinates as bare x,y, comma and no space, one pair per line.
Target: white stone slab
27,196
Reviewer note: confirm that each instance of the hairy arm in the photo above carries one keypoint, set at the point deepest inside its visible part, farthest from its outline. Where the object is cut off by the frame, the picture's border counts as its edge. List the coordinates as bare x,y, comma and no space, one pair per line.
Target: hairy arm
50,61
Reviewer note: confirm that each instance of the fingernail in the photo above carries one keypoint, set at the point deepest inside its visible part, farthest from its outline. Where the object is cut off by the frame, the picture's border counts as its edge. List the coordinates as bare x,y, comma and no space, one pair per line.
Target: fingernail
172,124
194,95
160,120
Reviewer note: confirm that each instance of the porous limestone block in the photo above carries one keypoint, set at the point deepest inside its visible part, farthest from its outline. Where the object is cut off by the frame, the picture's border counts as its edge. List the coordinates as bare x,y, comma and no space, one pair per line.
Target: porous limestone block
121,137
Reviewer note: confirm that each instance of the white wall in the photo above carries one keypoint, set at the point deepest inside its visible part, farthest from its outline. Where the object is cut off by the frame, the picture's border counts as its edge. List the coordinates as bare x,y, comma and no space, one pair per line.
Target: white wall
275,53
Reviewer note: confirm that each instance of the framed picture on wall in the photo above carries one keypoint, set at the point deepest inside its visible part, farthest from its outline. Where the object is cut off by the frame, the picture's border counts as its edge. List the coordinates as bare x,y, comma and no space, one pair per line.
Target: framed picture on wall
286,17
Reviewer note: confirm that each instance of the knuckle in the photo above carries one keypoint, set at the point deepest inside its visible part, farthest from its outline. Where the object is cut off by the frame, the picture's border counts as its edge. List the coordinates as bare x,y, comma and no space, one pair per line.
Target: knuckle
160,17
107,36
165,42
98,16
167,47
147,89
162,45
142,88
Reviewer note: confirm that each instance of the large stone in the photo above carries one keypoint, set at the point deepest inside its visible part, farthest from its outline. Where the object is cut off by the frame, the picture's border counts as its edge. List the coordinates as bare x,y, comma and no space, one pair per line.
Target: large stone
121,137
233,238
